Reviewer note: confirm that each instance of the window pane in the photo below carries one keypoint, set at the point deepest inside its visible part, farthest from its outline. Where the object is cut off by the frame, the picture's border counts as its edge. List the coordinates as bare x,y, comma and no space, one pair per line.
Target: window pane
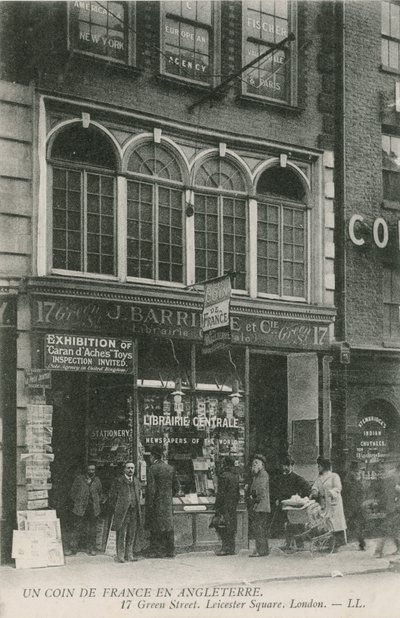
393,55
187,45
170,234
394,21
99,28
220,173
234,238
67,217
385,18
385,52
281,250
155,160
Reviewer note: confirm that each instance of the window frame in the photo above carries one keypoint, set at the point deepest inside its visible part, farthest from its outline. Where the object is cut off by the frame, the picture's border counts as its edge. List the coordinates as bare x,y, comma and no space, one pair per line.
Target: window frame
220,195
156,182
387,199
129,36
281,202
389,38
292,68
391,307
214,44
84,170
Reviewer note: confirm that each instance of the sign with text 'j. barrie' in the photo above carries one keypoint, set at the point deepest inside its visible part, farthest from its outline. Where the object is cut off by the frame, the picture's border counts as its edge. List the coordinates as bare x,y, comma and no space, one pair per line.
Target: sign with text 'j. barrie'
87,353
216,322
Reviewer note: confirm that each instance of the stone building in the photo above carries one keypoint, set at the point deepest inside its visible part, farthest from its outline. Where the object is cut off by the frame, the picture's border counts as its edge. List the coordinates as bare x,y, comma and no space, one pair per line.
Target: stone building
127,182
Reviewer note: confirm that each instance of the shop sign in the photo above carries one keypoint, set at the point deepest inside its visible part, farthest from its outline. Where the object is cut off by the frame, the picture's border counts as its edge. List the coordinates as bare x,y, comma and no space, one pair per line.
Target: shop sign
86,353
37,378
216,321
373,446
162,321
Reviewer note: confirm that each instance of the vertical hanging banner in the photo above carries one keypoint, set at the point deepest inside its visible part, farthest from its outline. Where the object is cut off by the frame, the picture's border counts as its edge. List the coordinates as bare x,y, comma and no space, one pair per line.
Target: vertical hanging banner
216,322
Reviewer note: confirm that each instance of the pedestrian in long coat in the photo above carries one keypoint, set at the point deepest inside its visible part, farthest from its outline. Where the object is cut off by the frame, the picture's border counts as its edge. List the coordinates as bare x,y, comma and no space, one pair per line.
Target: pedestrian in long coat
124,500
162,485
259,506
389,499
327,489
86,495
226,502
353,498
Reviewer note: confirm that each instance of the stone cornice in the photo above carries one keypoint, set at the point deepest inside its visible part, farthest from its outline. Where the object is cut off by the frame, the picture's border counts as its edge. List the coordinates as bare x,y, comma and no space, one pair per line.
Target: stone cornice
172,297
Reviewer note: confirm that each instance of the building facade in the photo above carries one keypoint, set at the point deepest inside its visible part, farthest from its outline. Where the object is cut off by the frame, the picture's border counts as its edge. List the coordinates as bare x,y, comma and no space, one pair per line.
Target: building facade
368,270
127,185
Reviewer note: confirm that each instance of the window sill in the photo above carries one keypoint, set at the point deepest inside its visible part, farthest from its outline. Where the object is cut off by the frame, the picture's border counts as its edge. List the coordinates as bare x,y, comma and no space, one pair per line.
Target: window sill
80,275
386,69
179,82
113,65
391,343
389,205
259,101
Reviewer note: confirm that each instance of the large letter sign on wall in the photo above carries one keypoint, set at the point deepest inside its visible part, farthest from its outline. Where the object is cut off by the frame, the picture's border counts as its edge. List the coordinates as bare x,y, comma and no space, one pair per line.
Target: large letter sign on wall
216,314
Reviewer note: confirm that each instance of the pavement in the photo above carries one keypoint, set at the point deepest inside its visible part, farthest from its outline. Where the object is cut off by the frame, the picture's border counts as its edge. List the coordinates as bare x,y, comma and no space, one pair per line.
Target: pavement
205,568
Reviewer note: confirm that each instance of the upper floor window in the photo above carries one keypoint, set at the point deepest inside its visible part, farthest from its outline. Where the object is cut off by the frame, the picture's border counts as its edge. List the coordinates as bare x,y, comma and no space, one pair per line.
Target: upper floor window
267,22
83,213
220,221
390,34
102,29
155,233
391,167
188,37
281,235
391,303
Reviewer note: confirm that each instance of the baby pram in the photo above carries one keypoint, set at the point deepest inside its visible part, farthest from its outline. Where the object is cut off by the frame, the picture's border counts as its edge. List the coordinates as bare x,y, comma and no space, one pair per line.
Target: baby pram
308,528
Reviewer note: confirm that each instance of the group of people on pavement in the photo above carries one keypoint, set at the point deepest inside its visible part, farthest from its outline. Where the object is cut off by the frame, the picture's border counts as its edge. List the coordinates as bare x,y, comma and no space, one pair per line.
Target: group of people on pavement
125,506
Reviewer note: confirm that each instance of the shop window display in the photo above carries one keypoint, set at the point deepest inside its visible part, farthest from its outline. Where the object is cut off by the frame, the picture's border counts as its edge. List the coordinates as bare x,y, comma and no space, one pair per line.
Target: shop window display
196,434
196,430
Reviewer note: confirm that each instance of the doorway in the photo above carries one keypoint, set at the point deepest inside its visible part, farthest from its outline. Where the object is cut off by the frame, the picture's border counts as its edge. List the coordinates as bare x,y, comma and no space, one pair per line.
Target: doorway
268,405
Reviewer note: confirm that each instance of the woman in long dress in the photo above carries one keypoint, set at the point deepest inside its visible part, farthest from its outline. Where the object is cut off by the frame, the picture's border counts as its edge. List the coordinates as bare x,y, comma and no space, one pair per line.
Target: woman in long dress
327,489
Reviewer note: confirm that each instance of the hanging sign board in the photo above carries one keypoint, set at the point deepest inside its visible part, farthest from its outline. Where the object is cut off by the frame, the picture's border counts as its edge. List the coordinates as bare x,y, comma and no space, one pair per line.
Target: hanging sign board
216,314
88,353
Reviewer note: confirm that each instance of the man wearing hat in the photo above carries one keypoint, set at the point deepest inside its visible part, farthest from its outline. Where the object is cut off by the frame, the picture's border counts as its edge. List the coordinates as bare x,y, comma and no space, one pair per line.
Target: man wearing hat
226,502
124,501
353,498
259,506
291,484
162,485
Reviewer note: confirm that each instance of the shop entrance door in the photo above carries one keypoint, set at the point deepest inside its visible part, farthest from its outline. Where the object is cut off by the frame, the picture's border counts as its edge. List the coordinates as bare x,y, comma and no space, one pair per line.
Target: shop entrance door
303,438
268,409
92,422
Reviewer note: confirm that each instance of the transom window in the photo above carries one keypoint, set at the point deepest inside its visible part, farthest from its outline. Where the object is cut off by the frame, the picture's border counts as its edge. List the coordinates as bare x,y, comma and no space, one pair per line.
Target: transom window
391,34
391,167
188,40
83,202
267,22
281,237
100,28
155,215
220,222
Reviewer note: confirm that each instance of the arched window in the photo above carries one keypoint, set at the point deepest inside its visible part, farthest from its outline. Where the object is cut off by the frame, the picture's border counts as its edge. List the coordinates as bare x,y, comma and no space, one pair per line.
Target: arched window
155,214
83,168
281,234
220,221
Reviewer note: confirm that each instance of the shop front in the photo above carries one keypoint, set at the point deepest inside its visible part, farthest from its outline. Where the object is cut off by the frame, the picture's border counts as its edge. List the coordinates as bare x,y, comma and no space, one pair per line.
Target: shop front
128,372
